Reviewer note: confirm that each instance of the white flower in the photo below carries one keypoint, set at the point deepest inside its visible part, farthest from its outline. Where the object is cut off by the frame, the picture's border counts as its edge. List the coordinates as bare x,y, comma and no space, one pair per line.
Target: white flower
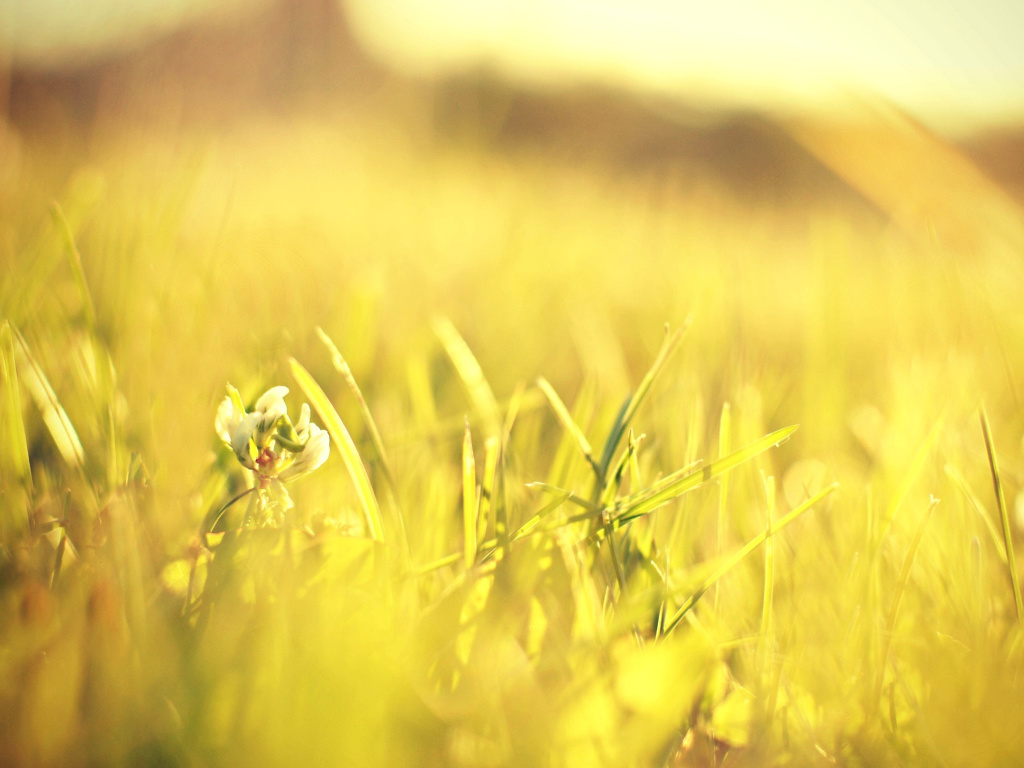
264,439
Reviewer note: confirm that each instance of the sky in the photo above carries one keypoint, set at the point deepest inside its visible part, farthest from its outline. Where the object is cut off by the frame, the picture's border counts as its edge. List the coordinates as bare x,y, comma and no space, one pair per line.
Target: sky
952,63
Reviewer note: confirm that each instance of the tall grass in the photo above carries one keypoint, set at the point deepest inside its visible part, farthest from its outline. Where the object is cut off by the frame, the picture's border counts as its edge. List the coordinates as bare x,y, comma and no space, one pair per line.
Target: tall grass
548,533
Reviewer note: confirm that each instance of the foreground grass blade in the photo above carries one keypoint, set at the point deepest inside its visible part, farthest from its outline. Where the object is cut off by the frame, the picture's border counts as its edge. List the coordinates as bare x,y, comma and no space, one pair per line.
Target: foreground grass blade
897,599
626,416
568,423
912,474
469,505
1003,514
738,556
472,376
673,486
724,446
592,509
488,506
15,446
339,434
546,510
54,416
342,367
998,539
75,264
397,519
765,635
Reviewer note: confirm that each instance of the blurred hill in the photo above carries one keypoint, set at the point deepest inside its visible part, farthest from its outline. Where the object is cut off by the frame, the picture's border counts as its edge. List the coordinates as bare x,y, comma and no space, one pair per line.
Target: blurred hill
300,55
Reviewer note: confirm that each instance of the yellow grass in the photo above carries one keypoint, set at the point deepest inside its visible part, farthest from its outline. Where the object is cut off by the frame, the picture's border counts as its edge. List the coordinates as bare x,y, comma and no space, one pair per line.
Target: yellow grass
549,609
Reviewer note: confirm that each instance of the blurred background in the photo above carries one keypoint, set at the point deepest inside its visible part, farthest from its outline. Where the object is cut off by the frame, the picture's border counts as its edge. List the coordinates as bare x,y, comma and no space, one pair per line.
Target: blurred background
831,192
771,169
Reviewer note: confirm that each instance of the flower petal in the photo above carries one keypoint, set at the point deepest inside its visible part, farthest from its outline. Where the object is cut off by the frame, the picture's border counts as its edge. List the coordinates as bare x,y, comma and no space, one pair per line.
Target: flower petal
302,425
313,454
271,399
240,438
227,419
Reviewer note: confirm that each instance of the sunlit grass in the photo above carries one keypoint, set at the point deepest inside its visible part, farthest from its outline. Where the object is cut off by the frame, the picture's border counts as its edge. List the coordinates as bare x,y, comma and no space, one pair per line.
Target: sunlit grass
539,539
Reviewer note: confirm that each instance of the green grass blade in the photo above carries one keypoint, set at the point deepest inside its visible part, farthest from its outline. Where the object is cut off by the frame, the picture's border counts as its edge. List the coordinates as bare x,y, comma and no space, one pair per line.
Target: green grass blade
15,446
397,519
997,536
897,599
622,423
739,555
628,459
1003,514
469,501
535,520
673,486
489,488
54,416
472,376
342,367
765,635
724,446
349,454
568,423
75,263
916,465
592,508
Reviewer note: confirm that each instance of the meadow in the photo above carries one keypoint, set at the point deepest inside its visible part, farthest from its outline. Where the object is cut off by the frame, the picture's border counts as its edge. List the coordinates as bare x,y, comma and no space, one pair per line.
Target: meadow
567,518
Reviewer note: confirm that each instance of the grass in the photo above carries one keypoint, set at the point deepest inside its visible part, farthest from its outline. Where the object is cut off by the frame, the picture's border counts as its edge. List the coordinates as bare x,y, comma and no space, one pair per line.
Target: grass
548,533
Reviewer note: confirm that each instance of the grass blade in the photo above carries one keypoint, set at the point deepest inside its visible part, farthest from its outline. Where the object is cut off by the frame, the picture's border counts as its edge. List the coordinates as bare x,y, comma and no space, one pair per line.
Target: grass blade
349,454
765,635
544,511
469,501
738,556
897,599
998,539
626,416
628,459
592,508
489,488
568,423
397,519
673,486
15,446
908,480
1003,514
342,367
75,263
472,376
724,446
54,416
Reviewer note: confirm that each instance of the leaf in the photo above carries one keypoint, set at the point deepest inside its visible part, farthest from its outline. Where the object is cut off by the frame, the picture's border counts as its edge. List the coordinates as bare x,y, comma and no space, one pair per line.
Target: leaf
469,503
633,405
472,376
15,445
674,485
737,557
54,416
397,519
897,598
343,368
568,423
349,454
75,264
488,488
1004,515
911,475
